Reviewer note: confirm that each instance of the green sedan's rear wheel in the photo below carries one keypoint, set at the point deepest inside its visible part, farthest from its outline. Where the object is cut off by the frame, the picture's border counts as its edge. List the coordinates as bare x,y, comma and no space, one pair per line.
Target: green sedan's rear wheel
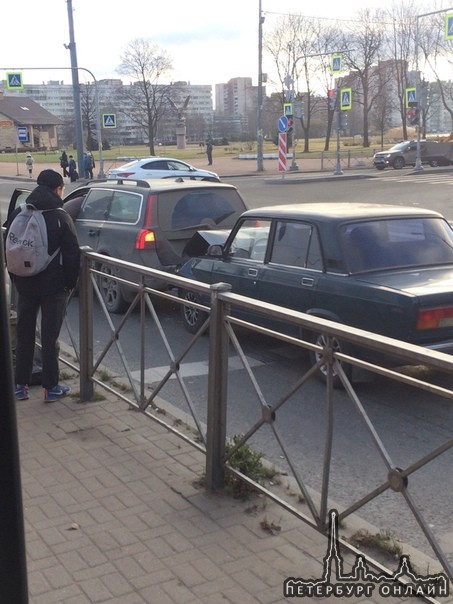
192,317
315,355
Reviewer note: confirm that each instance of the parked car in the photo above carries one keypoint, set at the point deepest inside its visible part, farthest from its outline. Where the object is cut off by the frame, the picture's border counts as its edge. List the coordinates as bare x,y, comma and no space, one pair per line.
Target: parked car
161,167
144,222
382,268
405,154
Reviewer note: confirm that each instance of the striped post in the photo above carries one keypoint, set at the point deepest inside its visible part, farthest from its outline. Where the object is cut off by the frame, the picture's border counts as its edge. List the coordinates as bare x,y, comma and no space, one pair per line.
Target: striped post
282,152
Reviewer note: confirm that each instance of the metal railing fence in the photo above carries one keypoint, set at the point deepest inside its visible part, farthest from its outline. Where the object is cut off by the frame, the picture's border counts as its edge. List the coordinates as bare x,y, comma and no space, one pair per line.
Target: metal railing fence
224,311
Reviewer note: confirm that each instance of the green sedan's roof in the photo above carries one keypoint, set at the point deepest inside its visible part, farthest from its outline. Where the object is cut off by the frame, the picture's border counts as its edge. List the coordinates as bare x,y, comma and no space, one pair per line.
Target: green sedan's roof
339,212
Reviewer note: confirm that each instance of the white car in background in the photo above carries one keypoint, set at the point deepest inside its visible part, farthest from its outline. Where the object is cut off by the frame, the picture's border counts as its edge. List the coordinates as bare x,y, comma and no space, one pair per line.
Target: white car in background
161,167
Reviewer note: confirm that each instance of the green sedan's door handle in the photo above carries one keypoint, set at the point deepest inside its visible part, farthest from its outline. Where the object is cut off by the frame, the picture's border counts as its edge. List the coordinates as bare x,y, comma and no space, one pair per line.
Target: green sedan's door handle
308,281
252,272
94,232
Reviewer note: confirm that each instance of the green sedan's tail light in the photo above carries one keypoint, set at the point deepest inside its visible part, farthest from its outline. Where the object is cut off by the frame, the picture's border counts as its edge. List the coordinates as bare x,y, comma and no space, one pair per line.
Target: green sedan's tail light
434,318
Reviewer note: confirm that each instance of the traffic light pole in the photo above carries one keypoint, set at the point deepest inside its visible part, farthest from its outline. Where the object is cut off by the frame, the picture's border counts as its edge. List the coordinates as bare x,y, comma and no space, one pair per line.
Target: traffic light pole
338,170
259,140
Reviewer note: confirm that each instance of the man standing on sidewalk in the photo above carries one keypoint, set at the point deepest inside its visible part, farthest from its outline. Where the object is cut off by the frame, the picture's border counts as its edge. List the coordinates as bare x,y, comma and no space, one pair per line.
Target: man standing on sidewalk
209,152
47,291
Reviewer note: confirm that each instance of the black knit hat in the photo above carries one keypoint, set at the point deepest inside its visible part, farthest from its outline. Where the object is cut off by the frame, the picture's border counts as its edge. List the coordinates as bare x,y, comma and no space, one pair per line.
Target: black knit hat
50,178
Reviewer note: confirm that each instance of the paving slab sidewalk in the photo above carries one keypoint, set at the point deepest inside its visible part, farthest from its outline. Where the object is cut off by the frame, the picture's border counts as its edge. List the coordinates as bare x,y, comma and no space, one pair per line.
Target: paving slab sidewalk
114,514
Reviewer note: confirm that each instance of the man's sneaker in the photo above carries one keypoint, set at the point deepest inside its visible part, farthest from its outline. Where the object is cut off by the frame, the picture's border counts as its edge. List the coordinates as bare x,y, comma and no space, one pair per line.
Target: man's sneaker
55,393
22,392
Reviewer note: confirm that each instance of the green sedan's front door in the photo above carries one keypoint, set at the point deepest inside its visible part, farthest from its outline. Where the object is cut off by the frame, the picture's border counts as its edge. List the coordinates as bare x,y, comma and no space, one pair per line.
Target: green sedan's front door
294,265
244,258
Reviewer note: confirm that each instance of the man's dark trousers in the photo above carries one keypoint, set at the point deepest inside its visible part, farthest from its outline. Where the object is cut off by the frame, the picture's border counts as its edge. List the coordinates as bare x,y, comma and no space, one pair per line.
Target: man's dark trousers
53,309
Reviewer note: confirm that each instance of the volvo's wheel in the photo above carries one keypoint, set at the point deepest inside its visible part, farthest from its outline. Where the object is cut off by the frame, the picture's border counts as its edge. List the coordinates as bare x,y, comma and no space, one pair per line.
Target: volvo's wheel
111,291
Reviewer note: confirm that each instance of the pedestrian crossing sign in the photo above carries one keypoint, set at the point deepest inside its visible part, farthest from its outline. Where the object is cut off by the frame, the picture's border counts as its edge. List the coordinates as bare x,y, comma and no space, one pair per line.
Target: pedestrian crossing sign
336,64
109,120
346,99
449,26
287,109
411,97
14,80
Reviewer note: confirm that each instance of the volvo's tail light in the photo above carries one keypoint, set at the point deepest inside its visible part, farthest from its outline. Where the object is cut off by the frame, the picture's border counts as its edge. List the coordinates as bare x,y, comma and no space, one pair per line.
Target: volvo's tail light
146,239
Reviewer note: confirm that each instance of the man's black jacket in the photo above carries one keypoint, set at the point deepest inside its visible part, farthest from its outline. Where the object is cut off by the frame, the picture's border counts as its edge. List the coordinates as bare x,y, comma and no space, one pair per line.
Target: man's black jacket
62,273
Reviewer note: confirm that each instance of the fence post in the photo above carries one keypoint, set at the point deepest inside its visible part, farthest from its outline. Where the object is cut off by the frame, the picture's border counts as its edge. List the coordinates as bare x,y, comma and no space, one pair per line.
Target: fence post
13,563
217,391
85,327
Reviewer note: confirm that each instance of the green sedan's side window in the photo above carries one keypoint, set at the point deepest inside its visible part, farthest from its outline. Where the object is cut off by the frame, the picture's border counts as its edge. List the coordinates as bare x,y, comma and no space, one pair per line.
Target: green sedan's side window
250,242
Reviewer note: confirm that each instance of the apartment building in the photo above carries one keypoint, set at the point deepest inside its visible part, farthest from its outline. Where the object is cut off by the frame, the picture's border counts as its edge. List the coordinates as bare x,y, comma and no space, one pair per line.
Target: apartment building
236,103
57,97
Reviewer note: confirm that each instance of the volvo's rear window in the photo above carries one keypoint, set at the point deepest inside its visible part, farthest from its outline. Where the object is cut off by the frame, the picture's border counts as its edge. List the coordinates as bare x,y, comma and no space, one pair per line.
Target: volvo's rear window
199,209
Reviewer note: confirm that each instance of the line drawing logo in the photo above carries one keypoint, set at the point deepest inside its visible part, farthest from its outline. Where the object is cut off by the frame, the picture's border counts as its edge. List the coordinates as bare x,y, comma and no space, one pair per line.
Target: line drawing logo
361,581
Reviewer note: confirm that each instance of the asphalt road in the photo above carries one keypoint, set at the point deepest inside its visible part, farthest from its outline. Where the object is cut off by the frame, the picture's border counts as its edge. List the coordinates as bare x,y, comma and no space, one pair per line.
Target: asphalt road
408,422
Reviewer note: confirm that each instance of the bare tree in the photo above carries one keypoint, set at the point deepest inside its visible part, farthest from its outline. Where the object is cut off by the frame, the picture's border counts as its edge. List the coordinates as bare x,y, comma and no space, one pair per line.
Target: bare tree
366,39
401,42
384,103
146,100
88,108
436,52
292,45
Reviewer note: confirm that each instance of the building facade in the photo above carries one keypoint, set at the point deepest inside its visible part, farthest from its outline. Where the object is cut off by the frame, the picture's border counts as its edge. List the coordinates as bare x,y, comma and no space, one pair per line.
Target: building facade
57,97
26,126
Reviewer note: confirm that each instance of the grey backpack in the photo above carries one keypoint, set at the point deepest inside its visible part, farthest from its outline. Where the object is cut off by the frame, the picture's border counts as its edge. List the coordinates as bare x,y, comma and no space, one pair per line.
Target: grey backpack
26,243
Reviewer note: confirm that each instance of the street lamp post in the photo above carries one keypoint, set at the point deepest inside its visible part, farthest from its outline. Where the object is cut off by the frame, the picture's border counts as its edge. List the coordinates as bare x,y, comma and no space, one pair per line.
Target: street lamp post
418,159
259,141
75,89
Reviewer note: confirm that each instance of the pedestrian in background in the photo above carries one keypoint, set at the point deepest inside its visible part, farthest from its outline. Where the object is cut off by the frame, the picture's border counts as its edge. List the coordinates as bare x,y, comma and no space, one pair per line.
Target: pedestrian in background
47,291
87,165
209,152
29,164
72,169
64,163
93,164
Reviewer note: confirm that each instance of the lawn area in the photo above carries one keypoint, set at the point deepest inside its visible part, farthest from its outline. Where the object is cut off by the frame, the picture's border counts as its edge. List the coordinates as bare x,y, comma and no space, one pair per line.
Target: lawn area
194,150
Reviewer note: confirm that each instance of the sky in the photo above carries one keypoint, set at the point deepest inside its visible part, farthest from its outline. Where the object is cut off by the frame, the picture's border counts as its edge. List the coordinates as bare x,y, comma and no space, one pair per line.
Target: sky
209,41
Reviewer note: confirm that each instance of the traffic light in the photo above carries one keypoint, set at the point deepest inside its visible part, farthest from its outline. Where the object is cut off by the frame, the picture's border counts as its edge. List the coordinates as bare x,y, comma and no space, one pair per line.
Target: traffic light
290,124
413,116
332,99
